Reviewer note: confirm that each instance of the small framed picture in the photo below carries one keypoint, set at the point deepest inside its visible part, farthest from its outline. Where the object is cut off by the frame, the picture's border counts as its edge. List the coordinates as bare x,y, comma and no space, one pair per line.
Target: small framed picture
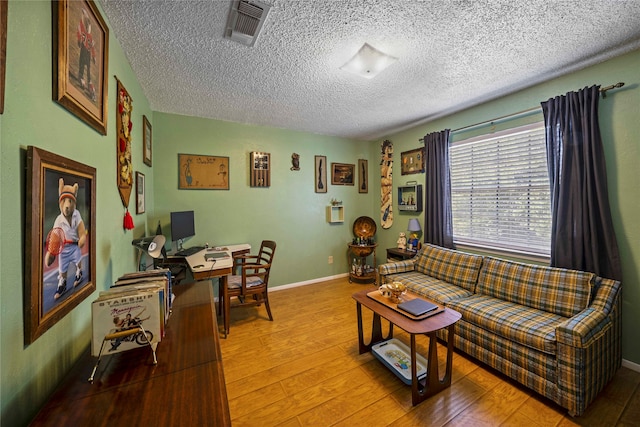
363,171
320,181
342,173
412,161
260,169
139,193
147,142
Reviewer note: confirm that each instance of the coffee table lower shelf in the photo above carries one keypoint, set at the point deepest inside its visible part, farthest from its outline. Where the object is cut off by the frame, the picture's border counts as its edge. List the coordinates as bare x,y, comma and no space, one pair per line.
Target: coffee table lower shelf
396,356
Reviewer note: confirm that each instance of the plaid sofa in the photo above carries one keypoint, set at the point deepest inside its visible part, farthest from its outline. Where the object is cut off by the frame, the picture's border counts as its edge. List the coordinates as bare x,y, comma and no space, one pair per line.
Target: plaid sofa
554,330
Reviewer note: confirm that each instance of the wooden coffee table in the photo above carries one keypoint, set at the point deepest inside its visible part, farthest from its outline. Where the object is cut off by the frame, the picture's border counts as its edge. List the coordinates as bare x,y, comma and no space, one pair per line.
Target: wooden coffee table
432,383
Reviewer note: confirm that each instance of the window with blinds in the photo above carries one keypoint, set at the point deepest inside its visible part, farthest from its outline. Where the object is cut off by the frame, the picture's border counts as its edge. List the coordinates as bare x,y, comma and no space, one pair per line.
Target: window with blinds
500,191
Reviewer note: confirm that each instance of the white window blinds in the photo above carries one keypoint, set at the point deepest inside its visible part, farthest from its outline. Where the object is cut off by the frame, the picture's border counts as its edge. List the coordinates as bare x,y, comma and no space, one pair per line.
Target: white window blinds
500,191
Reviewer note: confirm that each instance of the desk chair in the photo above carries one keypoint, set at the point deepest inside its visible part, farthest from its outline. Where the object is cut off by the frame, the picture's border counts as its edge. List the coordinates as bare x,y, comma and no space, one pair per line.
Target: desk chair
249,287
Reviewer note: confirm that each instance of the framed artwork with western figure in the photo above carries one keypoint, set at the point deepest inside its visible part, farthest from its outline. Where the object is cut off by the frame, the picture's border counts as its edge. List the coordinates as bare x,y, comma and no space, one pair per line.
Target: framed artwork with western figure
203,172
412,161
320,181
60,258
342,173
80,61
147,143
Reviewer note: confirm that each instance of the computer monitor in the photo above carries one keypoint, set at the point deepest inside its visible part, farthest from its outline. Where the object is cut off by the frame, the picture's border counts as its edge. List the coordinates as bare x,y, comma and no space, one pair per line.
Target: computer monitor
182,225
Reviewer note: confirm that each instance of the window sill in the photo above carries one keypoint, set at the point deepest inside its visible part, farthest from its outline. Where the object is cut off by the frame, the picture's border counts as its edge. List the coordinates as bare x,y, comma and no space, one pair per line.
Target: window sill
504,253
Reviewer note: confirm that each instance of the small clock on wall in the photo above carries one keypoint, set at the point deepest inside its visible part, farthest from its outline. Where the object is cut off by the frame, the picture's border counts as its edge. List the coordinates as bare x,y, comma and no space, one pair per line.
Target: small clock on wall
260,169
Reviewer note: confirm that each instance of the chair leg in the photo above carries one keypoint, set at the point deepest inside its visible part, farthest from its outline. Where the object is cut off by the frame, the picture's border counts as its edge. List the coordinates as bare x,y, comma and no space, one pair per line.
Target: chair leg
220,296
227,304
266,304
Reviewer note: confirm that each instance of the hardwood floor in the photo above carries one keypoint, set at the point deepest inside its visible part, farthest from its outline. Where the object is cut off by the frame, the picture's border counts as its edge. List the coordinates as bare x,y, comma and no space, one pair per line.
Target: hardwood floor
303,369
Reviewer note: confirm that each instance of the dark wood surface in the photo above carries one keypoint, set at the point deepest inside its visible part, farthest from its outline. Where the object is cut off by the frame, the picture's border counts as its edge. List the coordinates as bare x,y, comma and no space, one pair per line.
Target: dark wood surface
400,253
186,387
430,324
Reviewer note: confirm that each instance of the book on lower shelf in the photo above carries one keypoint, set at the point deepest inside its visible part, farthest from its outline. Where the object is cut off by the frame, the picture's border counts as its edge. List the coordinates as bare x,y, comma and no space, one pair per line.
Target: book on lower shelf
126,308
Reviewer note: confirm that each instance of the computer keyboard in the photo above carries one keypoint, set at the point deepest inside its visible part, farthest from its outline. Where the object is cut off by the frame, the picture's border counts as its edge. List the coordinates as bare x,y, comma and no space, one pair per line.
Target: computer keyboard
189,251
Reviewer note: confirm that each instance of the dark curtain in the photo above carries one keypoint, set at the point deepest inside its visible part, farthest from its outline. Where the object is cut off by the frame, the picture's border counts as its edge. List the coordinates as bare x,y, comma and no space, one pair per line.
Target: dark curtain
438,227
582,234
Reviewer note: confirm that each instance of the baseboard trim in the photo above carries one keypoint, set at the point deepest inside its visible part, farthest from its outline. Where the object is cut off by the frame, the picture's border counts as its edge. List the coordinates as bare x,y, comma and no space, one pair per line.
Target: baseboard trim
307,282
630,365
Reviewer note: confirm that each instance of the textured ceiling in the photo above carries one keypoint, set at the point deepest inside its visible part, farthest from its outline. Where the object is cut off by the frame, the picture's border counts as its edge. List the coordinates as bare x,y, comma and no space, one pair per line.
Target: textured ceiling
452,55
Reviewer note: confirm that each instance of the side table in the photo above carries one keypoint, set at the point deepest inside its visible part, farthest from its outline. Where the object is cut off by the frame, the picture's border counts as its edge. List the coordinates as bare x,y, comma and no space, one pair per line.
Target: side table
432,383
400,254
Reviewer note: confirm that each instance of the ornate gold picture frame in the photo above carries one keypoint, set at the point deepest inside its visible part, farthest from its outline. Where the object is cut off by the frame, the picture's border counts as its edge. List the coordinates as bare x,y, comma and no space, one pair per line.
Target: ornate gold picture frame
81,59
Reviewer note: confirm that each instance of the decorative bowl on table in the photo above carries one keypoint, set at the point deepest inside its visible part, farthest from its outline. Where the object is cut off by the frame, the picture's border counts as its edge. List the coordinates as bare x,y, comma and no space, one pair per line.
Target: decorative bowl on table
364,227
396,289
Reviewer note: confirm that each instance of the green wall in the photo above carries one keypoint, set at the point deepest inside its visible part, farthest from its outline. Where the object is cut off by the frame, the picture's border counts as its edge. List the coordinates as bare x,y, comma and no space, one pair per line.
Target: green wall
289,211
28,373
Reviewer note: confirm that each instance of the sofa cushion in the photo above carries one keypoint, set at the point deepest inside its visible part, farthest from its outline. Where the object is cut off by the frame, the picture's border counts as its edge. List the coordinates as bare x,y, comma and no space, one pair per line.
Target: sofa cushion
556,290
533,367
455,267
528,326
429,287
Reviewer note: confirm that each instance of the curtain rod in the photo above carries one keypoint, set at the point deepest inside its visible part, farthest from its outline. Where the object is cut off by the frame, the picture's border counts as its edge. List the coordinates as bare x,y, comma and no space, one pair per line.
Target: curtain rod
603,91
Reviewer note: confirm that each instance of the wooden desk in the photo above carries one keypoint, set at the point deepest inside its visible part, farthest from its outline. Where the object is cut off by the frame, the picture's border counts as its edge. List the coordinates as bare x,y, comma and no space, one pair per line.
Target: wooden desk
186,387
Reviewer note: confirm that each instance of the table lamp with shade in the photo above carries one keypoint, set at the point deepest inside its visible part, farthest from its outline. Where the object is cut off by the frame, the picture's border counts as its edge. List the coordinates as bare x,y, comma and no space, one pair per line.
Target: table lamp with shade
414,228
152,245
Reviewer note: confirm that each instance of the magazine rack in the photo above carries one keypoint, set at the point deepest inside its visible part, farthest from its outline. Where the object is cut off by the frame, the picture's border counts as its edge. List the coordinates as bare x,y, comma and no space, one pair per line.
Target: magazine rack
122,334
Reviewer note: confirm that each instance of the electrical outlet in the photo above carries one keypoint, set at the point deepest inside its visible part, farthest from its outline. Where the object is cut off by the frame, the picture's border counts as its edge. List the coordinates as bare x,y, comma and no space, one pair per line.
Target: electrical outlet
330,260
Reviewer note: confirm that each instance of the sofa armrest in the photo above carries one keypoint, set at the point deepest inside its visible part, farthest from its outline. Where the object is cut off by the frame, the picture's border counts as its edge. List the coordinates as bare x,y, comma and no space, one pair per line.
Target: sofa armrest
583,328
591,323
396,267
589,348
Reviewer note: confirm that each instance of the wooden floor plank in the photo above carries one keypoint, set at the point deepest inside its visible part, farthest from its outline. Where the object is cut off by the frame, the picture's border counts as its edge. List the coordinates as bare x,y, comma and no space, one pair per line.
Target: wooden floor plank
303,369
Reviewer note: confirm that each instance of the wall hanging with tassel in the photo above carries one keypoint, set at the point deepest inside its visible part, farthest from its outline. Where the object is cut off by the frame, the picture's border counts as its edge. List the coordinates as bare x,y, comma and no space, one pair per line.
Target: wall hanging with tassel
124,172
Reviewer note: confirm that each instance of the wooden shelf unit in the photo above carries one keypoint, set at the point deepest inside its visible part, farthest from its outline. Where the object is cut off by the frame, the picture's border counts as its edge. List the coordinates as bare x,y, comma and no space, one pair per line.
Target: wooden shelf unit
186,387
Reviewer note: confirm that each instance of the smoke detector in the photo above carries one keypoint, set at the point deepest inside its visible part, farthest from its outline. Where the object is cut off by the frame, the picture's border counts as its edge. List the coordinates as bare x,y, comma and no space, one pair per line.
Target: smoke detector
245,21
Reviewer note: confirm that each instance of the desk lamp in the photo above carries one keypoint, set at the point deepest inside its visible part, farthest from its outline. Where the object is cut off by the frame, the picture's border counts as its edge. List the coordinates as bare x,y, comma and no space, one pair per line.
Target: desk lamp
152,245
414,228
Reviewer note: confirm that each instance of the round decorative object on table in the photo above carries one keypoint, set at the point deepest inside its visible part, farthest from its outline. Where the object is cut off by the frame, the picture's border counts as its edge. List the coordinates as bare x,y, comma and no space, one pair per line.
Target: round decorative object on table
396,289
364,227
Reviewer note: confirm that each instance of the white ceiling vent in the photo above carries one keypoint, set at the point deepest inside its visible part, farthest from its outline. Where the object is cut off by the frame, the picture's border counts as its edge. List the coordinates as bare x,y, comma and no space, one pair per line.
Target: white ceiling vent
245,21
